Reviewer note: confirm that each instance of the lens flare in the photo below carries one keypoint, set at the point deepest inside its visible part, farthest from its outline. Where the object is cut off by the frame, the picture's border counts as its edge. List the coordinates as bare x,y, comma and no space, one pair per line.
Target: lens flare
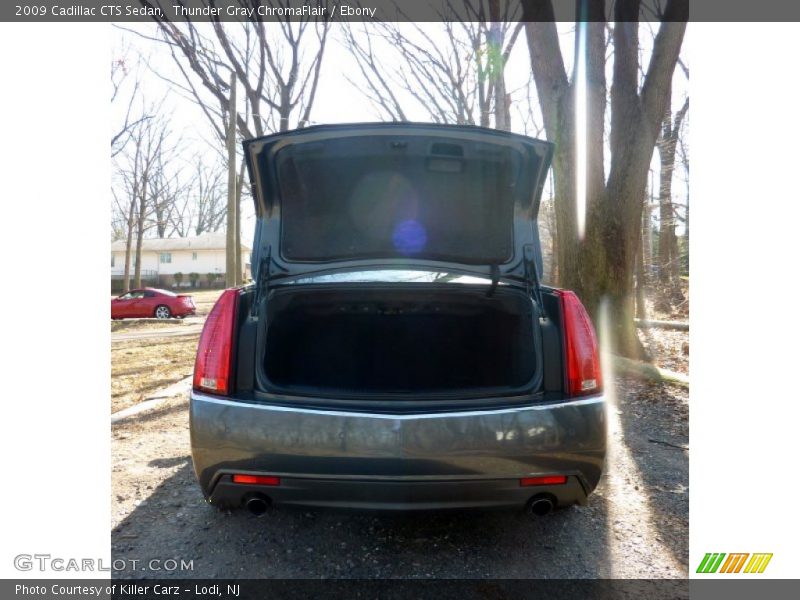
409,237
604,335
580,128
623,484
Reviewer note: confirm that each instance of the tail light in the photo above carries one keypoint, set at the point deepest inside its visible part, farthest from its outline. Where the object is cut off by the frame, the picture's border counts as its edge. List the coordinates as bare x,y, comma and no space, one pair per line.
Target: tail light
212,367
256,479
544,480
583,364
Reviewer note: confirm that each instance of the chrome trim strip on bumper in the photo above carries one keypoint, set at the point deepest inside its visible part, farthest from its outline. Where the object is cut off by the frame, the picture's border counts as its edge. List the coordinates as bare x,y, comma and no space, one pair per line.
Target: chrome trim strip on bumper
401,416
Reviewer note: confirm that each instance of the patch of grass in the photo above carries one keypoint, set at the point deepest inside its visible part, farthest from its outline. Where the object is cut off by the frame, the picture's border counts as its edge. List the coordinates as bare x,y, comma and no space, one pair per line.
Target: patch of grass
140,367
143,325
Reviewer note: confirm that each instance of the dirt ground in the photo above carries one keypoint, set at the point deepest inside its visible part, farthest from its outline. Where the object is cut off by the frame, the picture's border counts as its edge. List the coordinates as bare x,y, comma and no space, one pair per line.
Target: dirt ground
669,349
635,524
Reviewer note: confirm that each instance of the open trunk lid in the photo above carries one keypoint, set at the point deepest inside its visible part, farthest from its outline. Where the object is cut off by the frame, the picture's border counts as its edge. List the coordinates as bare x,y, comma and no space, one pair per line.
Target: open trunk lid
397,195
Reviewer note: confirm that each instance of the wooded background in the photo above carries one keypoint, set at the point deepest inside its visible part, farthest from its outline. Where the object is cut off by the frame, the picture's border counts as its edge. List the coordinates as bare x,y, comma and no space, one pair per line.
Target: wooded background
610,91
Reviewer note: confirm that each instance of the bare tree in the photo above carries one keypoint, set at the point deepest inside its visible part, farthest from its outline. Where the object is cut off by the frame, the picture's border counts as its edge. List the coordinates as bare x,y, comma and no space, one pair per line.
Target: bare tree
118,218
548,239
149,145
276,66
528,115
145,171
461,81
668,254
200,208
125,89
643,260
129,172
600,264
231,263
683,153
167,186
123,222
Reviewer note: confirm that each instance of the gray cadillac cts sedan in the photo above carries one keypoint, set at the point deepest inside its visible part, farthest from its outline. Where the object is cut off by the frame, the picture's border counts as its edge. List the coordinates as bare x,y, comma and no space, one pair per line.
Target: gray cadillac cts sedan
397,349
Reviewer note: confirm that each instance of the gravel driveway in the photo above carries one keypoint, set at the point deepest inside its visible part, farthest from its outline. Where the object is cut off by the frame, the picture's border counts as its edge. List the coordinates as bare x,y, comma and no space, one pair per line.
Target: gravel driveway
635,526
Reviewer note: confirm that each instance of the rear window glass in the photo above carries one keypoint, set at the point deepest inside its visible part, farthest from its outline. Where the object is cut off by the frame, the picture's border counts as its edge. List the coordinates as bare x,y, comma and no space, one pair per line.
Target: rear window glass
398,196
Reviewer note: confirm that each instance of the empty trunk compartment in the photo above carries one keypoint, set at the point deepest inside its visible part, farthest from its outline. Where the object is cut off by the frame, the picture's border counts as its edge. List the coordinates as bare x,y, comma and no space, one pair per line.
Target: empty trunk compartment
407,338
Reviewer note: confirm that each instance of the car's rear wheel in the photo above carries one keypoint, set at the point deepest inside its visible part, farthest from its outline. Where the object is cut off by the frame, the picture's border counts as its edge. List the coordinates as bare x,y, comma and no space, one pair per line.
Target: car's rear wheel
163,312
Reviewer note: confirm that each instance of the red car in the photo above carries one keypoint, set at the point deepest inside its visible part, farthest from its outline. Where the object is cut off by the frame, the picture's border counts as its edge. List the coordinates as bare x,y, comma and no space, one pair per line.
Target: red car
151,302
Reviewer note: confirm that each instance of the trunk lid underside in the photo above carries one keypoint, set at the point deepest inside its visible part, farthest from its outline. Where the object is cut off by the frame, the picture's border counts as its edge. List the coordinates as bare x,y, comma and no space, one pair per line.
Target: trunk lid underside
396,195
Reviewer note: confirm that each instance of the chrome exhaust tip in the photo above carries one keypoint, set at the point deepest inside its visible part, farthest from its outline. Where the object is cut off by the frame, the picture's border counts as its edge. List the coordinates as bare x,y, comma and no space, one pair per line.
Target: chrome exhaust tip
257,505
541,506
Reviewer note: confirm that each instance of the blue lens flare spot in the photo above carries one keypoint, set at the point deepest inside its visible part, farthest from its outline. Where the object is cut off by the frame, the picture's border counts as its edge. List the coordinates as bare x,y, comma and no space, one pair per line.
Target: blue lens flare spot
409,237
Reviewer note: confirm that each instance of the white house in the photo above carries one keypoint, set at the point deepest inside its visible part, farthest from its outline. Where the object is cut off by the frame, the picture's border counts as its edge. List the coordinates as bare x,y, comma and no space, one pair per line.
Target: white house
162,258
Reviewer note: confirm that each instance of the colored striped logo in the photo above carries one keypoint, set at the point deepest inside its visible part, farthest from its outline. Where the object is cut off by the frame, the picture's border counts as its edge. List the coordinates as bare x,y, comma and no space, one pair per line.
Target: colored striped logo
734,563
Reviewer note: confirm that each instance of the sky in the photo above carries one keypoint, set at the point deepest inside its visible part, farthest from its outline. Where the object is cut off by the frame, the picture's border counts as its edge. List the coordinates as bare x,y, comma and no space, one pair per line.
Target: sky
338,100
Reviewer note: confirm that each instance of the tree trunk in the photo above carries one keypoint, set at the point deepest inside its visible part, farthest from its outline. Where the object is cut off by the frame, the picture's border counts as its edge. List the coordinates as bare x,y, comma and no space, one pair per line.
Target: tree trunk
641,306
551,226
497,68
647,233
161,220
686,224
657,324
602,274
599,265
137,269
667,242
554,273
239,266
669,255
648,372
685,161
641,279
230,233
126,283
641,265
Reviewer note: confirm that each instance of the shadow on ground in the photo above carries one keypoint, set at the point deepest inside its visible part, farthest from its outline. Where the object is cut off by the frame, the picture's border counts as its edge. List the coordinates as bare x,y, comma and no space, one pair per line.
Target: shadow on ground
175,522
655,431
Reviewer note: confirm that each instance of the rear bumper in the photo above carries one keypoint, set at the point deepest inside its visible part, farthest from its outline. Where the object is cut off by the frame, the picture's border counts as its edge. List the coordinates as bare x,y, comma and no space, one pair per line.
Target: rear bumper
397,462
371,494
